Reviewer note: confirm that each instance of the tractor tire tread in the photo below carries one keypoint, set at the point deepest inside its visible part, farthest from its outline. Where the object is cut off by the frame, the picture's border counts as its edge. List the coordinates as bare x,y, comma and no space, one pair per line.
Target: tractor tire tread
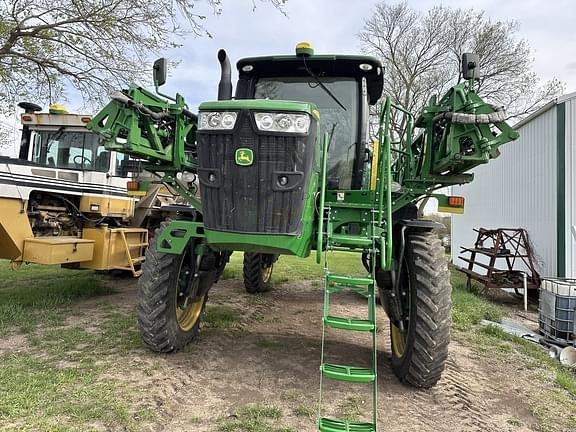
424,362
252,272
155,321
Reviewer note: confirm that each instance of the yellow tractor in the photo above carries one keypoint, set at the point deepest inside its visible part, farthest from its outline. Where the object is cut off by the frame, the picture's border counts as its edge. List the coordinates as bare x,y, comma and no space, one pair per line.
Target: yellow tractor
67,200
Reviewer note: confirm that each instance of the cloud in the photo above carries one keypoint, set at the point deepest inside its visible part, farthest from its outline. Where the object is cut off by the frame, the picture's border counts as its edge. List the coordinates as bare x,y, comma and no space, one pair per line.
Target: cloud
332,26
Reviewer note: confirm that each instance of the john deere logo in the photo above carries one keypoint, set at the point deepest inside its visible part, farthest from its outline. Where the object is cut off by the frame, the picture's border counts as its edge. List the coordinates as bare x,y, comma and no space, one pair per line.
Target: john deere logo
244,157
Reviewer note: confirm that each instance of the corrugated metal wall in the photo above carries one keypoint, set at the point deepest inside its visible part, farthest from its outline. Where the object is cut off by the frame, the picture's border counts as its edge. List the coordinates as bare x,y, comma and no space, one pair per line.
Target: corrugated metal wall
570,185
516,190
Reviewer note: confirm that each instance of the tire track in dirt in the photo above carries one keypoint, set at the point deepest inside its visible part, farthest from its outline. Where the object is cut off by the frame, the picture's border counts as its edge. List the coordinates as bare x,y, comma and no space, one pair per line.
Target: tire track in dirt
226,369
462,392
176,385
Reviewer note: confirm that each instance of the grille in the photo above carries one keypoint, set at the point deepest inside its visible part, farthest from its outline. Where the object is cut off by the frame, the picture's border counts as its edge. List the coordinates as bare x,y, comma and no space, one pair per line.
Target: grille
251,199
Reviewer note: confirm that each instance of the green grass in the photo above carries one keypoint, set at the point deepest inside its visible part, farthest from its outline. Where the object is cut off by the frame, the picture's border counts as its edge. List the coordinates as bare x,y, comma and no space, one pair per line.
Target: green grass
270,344
468,308
254,418
44,395
292,268
352,407
305,411
537,357
116,334
551,407
38,293
221,317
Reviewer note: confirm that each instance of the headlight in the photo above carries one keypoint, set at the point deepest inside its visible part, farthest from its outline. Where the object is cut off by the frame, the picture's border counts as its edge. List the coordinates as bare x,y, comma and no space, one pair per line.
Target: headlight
217,120
283,122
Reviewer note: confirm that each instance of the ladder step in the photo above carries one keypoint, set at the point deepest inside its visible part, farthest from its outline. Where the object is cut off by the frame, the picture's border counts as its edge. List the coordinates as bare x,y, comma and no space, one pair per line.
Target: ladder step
349,323
137,244
347,373
333,425
349,280
350,240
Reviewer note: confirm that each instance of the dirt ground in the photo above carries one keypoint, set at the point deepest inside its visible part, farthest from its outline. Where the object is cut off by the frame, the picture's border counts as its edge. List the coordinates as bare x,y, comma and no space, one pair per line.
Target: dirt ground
271,356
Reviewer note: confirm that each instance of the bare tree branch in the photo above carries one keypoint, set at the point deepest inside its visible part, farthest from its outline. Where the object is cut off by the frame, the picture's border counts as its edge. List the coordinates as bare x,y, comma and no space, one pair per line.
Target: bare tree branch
421,53
92,46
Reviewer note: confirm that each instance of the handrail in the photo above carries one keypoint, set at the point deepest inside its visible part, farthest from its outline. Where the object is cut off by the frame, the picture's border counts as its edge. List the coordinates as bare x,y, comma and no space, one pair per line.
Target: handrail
385,179
323,174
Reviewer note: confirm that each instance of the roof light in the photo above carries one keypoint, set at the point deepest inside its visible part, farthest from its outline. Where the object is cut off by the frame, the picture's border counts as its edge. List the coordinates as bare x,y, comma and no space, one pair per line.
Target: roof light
26,118
247,68
304,49
85,119
57,109
365,67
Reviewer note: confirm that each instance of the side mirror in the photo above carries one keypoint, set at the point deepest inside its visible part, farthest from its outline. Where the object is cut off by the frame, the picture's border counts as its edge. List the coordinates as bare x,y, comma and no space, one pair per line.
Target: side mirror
470,66
159,72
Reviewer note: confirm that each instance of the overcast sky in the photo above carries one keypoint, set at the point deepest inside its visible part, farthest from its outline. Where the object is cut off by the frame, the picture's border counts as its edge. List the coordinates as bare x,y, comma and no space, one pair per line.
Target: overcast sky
332,27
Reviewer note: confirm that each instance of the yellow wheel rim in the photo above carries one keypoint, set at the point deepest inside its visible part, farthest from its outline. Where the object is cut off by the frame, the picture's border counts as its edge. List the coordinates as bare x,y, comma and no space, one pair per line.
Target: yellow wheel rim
267,273
398,338
188,317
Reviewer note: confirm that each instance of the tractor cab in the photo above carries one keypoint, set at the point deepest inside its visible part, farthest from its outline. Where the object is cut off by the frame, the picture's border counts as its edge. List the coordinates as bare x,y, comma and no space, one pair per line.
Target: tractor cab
341,86
60,140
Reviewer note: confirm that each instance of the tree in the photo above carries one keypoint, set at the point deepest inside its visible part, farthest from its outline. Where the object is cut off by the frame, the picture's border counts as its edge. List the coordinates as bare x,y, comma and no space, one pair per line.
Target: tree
91,45
421,53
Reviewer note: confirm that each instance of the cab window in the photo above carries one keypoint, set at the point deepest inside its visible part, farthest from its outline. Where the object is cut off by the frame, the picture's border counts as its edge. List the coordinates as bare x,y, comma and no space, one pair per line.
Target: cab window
341,124
70,150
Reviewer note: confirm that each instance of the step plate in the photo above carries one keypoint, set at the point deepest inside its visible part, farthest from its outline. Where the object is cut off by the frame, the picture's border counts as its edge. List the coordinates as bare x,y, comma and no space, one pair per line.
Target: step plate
333,425
348,323
341,239
347,373
349,280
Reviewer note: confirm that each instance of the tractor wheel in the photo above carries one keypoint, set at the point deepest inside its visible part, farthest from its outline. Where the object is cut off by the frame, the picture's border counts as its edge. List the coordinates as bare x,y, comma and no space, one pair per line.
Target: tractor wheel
167,316
420,350
258,272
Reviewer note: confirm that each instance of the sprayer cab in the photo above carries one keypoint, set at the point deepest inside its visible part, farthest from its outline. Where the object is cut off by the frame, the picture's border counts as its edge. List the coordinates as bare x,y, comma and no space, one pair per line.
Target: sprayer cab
259,155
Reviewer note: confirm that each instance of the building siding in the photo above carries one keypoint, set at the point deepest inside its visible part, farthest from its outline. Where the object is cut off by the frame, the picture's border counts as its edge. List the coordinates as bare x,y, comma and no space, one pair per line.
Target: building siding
518,190
570,187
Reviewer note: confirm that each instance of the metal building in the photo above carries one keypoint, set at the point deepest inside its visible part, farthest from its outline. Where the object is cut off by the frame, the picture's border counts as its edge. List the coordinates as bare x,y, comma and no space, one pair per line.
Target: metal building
532,185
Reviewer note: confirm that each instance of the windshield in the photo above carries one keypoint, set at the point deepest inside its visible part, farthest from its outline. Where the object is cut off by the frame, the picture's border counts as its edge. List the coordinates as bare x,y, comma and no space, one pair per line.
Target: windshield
332,116
71,150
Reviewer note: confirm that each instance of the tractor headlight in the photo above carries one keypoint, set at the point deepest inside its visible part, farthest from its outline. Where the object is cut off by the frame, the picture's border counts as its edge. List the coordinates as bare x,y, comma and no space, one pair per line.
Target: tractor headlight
217,120
283,122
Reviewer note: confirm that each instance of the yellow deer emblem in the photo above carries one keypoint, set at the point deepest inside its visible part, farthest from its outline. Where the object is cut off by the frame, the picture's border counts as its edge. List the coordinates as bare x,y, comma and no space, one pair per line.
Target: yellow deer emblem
244,156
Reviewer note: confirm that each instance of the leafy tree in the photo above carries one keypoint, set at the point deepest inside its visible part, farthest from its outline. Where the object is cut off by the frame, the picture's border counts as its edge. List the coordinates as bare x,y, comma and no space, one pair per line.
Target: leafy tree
421,53
91,45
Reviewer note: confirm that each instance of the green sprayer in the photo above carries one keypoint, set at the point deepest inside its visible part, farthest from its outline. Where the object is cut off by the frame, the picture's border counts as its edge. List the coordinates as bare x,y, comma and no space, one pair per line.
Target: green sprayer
308,156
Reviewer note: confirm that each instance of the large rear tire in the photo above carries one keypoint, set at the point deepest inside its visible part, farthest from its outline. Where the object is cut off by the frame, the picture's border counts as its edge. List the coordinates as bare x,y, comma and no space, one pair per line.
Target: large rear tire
257,272
420,350
167,319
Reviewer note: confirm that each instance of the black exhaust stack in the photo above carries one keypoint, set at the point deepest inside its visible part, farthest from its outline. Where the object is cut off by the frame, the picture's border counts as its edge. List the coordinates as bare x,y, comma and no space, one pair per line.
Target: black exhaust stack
225,84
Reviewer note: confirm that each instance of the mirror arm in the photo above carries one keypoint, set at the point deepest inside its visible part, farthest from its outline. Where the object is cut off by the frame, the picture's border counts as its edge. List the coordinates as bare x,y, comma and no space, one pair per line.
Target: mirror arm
162,94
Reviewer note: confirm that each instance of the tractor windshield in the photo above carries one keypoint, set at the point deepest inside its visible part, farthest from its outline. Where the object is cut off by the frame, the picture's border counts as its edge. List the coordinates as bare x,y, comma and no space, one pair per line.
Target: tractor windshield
70,150
332,116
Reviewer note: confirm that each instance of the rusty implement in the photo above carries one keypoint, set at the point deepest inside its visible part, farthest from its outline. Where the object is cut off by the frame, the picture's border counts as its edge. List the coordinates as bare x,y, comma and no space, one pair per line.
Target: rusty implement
499,259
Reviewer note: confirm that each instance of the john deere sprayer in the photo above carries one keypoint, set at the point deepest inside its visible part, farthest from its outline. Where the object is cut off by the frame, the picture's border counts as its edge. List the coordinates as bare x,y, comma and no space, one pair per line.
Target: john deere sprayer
297,162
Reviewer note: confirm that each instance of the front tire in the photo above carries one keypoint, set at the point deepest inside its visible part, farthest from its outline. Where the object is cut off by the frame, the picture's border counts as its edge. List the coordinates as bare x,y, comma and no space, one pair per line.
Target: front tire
166,320
419,352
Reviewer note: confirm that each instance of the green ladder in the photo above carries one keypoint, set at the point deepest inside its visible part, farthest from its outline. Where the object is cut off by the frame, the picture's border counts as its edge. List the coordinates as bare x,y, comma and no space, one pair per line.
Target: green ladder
364,286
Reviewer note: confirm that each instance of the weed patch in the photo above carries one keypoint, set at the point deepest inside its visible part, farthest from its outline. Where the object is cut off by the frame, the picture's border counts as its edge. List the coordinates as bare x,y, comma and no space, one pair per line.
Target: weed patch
221,317
254,418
